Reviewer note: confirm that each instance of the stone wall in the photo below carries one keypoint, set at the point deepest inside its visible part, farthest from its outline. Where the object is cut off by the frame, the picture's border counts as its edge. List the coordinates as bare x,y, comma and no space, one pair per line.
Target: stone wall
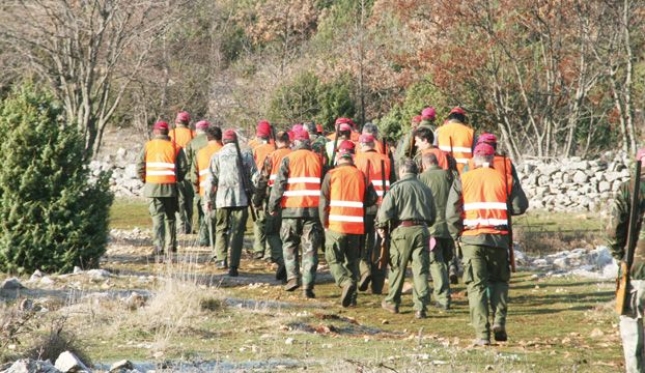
568,185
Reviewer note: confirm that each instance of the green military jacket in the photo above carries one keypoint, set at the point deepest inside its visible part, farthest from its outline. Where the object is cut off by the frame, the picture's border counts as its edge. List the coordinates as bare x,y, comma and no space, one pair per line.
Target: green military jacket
403,150
161,190
439,182
192,148
617,228
407,199
455,209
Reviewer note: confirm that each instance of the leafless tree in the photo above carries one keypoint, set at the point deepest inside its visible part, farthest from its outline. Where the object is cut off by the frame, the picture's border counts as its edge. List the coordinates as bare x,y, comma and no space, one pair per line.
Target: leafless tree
89,51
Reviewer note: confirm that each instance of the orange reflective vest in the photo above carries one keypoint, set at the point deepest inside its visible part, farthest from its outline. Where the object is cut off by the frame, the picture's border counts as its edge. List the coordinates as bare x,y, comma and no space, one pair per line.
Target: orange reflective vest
260,152
256,142
457,139
498,164
181,136
485,208
442,158
374,174
378,146
161,158
276,158
303,182
347,193
353,136
204,156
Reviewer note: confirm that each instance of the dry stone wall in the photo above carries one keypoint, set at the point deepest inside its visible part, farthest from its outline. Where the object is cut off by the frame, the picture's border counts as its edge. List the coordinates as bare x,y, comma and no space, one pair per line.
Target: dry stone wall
571,184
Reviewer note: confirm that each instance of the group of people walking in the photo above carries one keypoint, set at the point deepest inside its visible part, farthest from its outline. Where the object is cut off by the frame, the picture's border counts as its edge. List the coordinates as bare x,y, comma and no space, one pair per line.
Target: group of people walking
442,196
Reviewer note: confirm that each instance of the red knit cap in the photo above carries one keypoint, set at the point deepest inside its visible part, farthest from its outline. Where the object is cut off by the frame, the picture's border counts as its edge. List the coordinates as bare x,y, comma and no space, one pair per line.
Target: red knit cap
263,129
428,113
345,121
417,119
484,149
161,125
183,116
202,125
346,147
457,110
300,135
487,138
229,134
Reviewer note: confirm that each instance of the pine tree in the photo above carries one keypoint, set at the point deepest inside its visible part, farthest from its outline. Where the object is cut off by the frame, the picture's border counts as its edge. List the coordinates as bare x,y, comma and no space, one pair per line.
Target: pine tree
51,217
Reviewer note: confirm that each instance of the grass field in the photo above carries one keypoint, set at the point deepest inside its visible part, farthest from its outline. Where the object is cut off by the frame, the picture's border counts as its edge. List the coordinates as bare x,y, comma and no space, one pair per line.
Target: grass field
195,317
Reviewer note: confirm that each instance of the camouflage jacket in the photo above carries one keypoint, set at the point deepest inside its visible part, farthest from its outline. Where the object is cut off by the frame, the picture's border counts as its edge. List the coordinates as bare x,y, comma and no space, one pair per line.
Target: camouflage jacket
225,184
617,228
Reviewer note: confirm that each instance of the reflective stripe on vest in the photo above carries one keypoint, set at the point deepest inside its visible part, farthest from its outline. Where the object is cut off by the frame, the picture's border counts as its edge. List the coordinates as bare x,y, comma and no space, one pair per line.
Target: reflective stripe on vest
485,208
204,156
347,192
276,159
374,174
457,139
160,157
303,184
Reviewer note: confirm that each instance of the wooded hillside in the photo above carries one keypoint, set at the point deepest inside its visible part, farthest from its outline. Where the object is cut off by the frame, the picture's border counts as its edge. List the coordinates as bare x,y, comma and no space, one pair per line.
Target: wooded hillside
551,78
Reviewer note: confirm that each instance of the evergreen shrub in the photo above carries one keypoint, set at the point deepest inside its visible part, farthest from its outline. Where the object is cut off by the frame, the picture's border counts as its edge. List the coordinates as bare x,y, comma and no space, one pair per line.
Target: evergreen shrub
51,217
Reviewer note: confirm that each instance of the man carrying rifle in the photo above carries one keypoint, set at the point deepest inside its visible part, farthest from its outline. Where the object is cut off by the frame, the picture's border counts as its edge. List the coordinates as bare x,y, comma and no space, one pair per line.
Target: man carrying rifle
627,244
378,168
296,192
228,188
477,212
264,145
345,194
456,137
407,147
409,209
344,132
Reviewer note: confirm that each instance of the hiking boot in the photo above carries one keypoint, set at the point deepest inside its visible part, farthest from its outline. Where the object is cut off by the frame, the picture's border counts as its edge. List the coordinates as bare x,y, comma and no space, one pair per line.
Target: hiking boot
420,315
347,295
443,307
281,273
221,264
481,342
232,272
389,307
259,255
499,333
309,293
364,283
454,279
292,285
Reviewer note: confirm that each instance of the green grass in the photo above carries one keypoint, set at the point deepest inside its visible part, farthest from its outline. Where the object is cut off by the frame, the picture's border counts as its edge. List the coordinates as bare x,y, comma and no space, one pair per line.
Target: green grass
129,213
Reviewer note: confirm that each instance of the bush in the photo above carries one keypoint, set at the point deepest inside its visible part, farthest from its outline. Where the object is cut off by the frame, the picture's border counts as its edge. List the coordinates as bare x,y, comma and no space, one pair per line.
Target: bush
51,217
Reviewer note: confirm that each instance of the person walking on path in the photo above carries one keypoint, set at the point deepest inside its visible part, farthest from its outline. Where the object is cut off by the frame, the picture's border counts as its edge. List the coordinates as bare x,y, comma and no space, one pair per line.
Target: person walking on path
180,136
262,148
160,166
345,194
456,138
268,175
225,190
200,172
478,213
441,244
378,168
408,208
632,332
199,142
296,193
